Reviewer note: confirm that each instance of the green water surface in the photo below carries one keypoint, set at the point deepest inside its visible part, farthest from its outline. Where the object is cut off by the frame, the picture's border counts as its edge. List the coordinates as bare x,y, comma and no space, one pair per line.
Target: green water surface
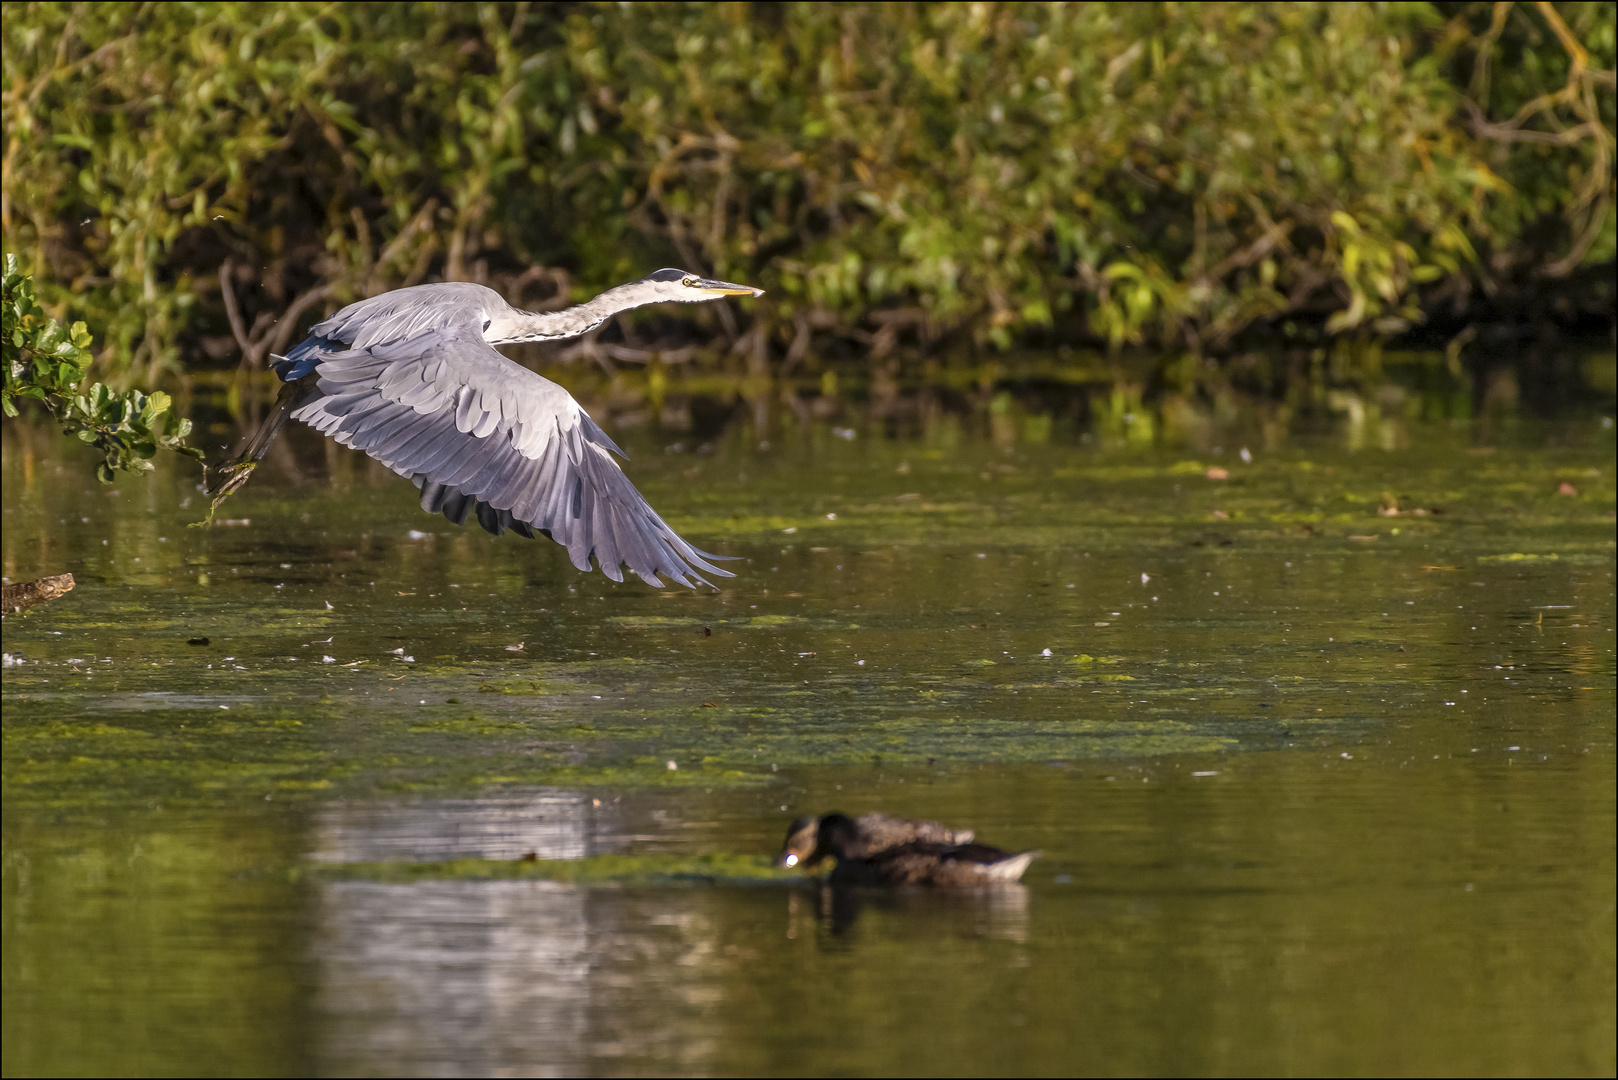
1320,789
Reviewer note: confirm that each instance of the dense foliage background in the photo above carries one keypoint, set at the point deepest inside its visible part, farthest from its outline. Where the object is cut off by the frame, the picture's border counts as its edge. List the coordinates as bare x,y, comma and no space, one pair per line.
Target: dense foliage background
905,179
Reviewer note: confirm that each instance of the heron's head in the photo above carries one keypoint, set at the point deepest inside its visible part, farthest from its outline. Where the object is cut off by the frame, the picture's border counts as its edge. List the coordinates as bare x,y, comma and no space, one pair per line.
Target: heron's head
685,287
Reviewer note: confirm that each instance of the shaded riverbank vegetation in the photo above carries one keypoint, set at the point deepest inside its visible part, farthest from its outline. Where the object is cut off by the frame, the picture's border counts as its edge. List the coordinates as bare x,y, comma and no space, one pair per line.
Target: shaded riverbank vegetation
921,188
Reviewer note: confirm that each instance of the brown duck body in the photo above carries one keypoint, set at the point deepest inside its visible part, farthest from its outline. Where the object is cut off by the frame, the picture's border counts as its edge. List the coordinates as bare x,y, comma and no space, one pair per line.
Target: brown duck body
872,833
934,865
915,862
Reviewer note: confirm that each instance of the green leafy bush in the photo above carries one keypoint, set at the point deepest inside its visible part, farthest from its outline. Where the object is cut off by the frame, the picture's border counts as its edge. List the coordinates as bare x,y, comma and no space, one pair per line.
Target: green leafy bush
895,175
47,363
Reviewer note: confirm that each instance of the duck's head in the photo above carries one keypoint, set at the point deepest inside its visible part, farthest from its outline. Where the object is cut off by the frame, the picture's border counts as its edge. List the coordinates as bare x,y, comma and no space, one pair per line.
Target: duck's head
802,838
836,835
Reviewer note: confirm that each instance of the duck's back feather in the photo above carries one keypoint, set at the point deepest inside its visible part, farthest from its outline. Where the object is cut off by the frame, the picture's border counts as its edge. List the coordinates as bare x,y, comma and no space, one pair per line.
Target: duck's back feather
879,832
926,863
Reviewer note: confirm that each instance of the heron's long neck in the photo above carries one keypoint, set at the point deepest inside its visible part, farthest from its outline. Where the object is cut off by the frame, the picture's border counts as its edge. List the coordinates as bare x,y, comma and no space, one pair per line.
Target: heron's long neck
582,318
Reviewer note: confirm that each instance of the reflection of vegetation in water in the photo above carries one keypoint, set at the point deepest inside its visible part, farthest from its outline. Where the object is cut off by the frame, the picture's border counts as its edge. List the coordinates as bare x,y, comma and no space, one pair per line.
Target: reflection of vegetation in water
140,932
646,869
1261,402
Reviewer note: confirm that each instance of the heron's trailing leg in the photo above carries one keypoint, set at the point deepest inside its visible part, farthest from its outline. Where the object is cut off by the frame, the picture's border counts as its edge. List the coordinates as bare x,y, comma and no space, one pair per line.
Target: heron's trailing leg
233,474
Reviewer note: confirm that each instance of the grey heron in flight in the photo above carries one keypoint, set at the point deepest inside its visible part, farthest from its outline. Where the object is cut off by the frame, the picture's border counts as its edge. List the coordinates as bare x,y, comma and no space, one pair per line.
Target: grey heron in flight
412,378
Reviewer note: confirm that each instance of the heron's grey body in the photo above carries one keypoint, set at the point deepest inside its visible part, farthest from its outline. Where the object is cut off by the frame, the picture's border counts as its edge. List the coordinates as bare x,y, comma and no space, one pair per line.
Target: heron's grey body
412,378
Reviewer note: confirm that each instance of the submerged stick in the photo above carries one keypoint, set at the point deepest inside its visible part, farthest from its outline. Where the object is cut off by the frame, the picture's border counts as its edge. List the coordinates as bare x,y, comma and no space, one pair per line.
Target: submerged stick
18,596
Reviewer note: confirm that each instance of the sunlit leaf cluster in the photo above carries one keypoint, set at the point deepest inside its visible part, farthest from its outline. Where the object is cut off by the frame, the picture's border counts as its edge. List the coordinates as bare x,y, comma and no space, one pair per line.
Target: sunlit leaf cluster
47,363
894,175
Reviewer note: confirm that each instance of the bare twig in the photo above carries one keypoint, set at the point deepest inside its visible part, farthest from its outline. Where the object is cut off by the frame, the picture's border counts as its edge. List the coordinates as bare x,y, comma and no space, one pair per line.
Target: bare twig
421,220
269,334
1595,194
589,349
287,325
799,347
238,329
1510,131
1250,254
554,274
1581,58
1480,67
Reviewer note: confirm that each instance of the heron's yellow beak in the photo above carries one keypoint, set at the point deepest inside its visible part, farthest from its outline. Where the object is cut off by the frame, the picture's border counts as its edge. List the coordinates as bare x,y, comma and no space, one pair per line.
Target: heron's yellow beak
726,288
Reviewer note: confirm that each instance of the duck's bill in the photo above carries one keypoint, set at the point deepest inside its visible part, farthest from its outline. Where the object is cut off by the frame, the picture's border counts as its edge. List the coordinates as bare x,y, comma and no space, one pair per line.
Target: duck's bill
726,288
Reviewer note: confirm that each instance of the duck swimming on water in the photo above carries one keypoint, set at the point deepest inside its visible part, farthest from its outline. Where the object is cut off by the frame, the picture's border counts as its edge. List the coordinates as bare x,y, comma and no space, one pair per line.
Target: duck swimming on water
914,862
872,833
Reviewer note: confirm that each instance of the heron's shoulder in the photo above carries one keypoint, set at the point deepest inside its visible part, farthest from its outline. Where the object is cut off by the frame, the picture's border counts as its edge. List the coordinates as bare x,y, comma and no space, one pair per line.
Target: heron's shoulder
406,312
444,296
448,291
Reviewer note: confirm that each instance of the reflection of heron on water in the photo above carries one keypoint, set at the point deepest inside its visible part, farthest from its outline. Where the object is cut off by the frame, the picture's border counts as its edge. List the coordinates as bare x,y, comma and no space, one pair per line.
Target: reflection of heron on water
412,378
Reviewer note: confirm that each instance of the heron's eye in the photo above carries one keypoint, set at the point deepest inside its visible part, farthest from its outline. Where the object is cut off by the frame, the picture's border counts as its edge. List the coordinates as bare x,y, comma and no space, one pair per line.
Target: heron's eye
688,282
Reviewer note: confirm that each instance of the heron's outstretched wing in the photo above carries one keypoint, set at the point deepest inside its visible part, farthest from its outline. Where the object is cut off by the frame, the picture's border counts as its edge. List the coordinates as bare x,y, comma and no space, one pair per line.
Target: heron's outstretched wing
481,434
